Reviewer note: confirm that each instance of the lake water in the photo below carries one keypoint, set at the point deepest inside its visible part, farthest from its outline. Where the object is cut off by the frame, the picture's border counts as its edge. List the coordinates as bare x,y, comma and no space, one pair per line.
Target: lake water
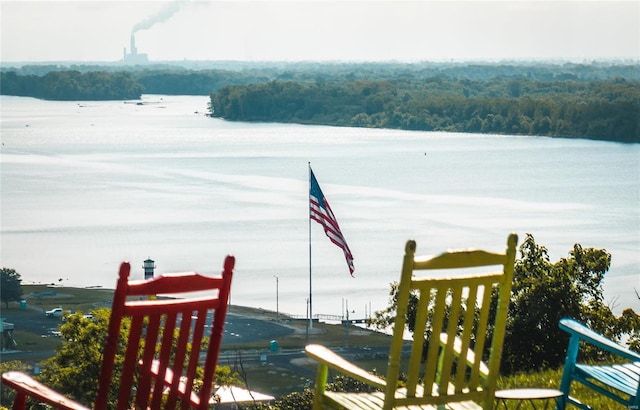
87,185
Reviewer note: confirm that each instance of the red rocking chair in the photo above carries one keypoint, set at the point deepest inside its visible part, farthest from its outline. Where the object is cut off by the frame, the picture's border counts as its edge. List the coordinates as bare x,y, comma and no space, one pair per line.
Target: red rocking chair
165,343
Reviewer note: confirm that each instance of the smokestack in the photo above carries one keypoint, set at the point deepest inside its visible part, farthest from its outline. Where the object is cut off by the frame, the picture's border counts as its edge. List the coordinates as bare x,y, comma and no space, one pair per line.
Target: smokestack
134,57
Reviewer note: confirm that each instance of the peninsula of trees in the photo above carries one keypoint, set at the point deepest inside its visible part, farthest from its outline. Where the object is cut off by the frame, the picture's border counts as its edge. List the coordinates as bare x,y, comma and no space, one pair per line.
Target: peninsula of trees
597,109
597,101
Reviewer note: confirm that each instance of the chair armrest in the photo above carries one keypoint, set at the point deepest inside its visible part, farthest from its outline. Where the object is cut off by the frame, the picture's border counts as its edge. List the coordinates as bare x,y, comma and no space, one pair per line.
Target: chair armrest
470,357
26,385
575,328
325,356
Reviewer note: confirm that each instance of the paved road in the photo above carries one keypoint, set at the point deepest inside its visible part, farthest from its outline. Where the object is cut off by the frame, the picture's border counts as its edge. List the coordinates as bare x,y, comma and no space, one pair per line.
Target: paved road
242,329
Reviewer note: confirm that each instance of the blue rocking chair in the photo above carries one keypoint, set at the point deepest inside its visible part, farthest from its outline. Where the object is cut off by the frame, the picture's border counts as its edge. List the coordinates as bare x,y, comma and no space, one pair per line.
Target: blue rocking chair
619,382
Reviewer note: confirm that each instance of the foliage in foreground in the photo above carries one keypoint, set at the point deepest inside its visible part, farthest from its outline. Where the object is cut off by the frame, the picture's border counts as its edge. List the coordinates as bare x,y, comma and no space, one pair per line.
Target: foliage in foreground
545,292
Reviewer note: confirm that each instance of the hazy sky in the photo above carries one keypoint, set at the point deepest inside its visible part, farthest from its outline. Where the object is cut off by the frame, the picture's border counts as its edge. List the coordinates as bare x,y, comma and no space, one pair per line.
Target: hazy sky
365,30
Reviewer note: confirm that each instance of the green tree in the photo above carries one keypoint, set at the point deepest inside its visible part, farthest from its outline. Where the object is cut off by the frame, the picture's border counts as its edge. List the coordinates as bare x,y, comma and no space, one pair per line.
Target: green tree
10,286
629,323
75,368
543,293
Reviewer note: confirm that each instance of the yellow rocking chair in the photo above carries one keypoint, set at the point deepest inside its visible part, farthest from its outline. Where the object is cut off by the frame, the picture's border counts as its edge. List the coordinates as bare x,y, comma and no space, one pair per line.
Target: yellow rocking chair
442,371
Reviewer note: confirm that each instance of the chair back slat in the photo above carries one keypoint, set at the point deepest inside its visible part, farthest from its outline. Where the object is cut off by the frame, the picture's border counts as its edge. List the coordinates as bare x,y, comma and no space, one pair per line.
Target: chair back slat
143,387
455,310
130,361
447,355
437,322
416,367
178,360
467,332
484,311
200,317
165,338
163,358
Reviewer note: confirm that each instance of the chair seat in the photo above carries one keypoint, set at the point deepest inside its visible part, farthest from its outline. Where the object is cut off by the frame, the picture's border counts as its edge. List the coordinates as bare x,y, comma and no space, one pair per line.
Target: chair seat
623,377
375,400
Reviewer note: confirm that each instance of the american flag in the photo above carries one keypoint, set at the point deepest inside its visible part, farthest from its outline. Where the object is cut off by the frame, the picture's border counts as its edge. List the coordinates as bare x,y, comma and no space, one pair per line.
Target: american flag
320,211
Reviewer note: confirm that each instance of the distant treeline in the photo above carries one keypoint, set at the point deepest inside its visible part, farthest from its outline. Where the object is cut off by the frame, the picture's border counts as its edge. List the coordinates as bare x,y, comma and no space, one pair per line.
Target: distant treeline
72,85
602,109
600,101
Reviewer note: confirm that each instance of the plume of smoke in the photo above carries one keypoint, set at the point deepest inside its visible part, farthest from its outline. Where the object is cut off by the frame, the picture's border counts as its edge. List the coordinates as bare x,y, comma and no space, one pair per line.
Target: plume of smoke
163,15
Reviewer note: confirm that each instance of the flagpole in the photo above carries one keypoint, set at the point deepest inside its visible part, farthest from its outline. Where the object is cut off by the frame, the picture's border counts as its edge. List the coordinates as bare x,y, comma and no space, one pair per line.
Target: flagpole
310,304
